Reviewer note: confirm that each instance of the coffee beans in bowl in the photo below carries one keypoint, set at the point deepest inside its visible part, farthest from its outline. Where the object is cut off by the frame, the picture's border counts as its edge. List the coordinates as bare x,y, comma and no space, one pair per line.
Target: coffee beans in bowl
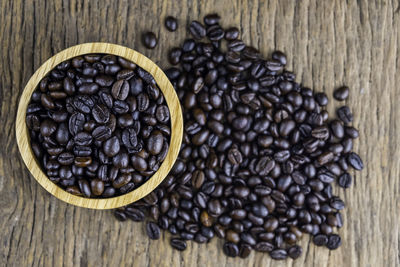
94,125
99,125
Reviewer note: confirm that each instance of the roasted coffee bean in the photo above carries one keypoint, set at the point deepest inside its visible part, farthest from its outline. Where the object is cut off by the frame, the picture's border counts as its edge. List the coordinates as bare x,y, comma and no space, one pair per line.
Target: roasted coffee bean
120,215
139,163
97,187
355,161
171,23
244,250
345,114
83,139
320,240
334,241
279,56
295,252
88,88
84,188
101,133
155,142
351,132
149,40
134,214
231,33
337,129
341,93
345,180
231,249
153,230
197,30
120,90
264,247
211,19
111,146
178,244
278,254
48,127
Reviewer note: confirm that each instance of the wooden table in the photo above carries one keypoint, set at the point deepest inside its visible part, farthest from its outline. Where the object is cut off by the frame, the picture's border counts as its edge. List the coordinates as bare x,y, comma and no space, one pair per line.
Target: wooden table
329,43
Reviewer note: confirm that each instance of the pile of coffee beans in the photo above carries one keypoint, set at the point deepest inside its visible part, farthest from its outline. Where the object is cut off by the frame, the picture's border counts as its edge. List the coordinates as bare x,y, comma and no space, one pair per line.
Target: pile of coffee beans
260,154
99,125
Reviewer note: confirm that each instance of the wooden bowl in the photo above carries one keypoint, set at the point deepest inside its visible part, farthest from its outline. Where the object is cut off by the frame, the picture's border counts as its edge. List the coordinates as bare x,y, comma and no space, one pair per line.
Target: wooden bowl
163,83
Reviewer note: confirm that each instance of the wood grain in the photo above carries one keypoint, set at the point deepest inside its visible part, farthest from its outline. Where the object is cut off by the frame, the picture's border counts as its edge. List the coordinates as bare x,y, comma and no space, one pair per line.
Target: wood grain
329,43
171,98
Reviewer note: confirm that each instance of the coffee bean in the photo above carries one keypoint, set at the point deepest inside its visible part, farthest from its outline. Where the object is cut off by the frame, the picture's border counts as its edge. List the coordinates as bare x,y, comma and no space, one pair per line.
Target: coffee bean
345,114
295,252
83,139
65,158
120,90
337,128
279,56
334,241
111,147
162,113
155,142
197,30
153,231
178,244
97,187
345,180
101,133
84,188
264,247
336,203
355,161
351,132
234,156
149,40
211,19
320,240
278,254
244,250
215,33
231,34
88,88
139,163
341,93
230,249
48,127
247,238
134,214
171,23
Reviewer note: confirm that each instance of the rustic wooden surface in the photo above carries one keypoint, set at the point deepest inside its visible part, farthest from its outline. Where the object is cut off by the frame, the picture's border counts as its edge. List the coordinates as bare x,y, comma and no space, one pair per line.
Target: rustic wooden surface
329,43
170,97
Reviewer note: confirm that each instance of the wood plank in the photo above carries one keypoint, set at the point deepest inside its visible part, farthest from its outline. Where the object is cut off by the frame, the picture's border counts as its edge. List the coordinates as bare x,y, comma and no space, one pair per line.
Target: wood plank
329,43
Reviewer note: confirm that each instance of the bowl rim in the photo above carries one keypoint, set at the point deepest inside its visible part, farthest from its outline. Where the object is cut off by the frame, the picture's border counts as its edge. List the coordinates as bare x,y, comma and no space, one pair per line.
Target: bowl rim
23,139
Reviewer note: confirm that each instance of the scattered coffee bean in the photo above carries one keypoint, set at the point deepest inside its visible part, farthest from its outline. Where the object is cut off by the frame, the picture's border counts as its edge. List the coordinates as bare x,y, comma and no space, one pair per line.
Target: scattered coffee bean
153,231
295,252
334,241
178,244
259,153
171,23
345,180
149,40
230,249
341,93
320,240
